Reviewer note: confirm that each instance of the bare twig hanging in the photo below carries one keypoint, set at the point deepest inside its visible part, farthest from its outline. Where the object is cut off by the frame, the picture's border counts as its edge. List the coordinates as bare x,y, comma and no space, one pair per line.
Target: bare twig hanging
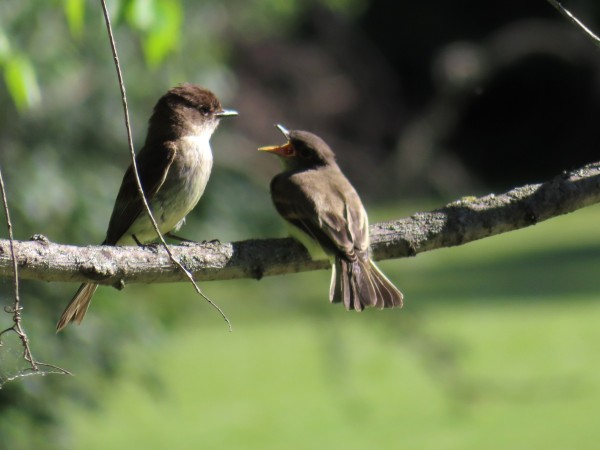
589,33
16,308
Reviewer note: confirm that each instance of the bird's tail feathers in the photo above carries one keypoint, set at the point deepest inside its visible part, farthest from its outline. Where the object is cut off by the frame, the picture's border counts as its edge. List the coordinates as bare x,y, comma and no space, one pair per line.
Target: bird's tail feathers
76,309
360,284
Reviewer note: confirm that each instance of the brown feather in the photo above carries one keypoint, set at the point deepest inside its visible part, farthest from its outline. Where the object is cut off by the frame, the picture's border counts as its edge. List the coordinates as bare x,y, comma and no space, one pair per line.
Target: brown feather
78,306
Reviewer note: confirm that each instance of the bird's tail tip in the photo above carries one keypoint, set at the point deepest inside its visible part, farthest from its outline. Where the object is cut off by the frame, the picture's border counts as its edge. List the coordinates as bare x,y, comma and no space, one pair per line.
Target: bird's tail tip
77,307
360,284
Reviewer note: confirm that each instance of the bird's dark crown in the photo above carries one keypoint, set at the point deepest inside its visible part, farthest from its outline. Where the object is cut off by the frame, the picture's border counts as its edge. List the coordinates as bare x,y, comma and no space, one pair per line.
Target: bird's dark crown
181,111
310,149
192,96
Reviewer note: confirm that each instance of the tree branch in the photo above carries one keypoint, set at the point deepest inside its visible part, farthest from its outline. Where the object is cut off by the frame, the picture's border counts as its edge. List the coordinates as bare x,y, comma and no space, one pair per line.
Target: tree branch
457,223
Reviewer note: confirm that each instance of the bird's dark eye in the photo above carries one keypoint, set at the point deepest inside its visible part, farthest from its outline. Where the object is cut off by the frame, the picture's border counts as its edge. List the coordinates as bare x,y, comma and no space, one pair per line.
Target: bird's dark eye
303,152
205,110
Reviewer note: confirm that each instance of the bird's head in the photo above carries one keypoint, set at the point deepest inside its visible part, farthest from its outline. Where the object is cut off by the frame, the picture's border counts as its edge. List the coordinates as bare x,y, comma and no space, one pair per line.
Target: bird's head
303,150
189,109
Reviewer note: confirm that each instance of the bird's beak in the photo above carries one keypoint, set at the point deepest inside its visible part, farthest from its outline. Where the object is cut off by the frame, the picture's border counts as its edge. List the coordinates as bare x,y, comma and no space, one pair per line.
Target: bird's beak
226,113
284,130
286,150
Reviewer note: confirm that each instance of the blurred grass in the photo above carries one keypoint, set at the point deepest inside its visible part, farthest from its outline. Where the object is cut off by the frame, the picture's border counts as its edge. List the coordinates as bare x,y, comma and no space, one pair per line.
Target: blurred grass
497,347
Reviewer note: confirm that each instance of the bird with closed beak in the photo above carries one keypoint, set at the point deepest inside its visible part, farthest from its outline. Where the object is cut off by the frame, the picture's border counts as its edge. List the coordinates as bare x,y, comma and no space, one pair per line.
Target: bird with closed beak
173,166
315,197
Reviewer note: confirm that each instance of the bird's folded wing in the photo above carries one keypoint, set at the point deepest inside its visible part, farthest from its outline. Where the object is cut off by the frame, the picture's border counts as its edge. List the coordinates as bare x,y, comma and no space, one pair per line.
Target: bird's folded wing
153,163
325,216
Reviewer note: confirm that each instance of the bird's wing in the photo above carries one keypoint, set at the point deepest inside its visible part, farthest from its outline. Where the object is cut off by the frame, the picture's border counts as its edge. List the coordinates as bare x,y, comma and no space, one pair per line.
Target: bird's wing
153,163
331,213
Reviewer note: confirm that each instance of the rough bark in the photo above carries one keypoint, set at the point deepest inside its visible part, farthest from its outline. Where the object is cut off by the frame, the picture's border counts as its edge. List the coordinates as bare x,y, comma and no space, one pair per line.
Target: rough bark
457,223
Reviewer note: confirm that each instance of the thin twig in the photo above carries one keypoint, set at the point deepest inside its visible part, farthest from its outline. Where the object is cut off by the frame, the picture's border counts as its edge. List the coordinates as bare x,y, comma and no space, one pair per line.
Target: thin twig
135,170
589,33
16,309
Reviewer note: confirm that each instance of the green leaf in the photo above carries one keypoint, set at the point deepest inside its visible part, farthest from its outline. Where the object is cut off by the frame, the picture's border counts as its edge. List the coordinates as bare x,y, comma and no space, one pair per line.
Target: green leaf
21,82
142,14
75,13
163,36
160,22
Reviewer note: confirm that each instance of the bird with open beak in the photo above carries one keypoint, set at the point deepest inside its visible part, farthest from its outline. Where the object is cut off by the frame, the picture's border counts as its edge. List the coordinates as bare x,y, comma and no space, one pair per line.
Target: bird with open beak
315,197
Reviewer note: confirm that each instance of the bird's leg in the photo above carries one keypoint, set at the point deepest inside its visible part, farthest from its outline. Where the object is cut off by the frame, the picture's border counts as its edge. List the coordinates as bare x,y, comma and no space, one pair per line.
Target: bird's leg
182,240
152,246
185,241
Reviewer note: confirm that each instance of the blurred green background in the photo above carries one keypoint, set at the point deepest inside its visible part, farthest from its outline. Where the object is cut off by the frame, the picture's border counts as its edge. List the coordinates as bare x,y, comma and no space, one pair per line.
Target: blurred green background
497,346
